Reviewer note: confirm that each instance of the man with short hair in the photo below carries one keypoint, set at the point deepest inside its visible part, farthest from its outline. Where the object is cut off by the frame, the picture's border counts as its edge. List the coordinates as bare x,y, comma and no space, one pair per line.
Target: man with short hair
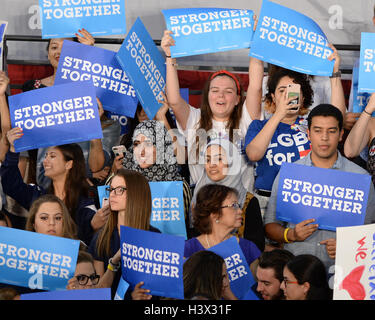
325,130
269,273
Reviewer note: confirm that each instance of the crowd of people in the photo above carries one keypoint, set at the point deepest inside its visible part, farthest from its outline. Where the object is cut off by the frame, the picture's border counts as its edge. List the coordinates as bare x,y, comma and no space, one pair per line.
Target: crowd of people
229,166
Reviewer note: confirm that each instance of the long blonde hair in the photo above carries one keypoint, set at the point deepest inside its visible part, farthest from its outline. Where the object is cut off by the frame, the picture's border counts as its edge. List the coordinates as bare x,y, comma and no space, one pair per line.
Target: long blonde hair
137,211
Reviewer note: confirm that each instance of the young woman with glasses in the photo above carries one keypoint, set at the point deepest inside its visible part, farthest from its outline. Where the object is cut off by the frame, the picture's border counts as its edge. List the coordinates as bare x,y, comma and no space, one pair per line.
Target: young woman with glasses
305,278
217,214
130,205
85,276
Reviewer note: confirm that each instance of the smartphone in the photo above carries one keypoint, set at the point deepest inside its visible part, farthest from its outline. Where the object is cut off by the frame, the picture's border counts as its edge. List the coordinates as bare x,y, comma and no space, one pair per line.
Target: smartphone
293,91
119,150
105,202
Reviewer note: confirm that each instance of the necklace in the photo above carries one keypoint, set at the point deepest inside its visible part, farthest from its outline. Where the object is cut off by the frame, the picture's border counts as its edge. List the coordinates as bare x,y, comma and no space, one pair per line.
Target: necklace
208,244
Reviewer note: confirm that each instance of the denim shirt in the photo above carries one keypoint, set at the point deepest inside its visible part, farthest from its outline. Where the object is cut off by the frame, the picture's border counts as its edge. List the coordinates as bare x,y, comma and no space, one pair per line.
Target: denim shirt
311,244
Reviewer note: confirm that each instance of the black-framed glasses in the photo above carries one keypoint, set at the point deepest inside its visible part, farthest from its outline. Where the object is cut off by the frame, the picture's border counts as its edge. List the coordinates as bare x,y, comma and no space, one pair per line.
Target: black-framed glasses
118,190
83,279
234,205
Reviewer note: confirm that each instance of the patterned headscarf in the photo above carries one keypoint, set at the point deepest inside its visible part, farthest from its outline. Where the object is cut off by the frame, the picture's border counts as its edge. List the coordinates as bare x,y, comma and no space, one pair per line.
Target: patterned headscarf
165,168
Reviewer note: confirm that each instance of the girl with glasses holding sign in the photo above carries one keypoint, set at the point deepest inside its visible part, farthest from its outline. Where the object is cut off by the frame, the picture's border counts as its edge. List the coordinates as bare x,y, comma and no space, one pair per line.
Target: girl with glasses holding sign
130,205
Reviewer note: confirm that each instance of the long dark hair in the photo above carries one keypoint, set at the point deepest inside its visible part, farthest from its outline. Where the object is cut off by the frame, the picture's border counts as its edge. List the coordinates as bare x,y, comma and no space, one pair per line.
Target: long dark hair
202,275
308,268
76,185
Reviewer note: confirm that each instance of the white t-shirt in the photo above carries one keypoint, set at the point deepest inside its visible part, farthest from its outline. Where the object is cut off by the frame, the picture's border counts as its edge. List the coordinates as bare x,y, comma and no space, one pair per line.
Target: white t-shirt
196,166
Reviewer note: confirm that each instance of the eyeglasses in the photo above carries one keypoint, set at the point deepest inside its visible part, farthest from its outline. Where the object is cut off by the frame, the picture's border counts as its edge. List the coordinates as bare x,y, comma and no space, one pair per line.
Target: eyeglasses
234,205
286,282
83,279
118,190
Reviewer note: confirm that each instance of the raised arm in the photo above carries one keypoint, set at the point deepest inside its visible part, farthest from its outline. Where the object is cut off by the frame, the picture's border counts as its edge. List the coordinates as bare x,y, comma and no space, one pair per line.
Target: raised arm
96,155
5,117
178,104
362,132
256,149
254,90
337,91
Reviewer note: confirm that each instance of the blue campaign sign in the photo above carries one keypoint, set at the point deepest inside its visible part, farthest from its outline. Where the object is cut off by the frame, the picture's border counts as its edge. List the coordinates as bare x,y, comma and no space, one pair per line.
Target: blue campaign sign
82,294
122,287
206,30
79,62
334,198
360,99
154,258
367,63
250,295
55,115
299,42
143,63
168,207
240,276
102,194
61,18
37,261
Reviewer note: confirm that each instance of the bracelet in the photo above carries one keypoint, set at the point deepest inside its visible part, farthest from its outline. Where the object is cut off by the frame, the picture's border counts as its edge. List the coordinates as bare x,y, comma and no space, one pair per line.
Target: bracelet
113,267
336,74
364,110
285,235
168,56
171,64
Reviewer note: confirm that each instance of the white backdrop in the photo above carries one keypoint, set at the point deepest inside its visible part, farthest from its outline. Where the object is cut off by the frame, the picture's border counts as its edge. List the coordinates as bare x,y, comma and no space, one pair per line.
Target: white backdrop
341,20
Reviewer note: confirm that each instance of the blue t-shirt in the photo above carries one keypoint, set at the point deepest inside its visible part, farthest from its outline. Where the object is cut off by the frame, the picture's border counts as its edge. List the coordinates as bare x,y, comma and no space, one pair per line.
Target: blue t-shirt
288,144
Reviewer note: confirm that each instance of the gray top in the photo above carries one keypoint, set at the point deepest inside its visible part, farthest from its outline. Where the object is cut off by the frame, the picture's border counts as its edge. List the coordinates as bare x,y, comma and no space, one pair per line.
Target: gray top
310,245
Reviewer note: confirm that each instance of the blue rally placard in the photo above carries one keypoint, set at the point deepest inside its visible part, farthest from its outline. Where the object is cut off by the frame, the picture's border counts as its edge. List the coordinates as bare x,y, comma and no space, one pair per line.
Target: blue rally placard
55,115
299,42
143,63
79,62
360,99
81,294
154,258
206,30
168,207
366,81
334,198
37,261
240,276
63,18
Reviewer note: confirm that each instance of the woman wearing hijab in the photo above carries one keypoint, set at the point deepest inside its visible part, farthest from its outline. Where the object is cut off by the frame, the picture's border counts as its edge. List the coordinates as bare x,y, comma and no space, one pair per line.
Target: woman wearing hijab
222,167
152,155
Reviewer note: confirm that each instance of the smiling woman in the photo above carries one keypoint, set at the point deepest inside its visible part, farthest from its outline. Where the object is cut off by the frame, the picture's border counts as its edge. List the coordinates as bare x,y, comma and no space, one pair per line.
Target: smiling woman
224,111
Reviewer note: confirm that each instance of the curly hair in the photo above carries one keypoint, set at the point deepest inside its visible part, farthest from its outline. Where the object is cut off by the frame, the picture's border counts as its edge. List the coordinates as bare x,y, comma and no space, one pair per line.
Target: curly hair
299,78
209,200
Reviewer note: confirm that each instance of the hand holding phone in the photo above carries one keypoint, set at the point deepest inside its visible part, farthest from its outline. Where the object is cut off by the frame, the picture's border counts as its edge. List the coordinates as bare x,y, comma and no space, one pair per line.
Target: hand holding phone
293,91
119,150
